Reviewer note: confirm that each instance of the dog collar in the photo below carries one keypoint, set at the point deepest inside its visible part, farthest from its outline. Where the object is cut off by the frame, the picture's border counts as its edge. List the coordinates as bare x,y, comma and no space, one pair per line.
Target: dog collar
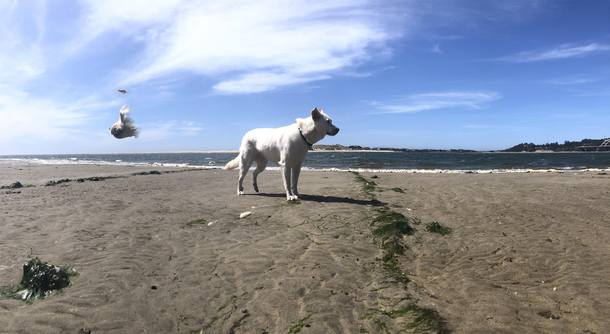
305,139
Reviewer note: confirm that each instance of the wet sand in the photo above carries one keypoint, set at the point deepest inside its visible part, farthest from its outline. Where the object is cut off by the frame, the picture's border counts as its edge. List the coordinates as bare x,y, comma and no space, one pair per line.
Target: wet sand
528,252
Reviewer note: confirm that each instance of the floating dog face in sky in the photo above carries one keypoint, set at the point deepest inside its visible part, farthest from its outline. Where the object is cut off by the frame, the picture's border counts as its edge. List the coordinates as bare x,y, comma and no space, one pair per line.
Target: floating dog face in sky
124,127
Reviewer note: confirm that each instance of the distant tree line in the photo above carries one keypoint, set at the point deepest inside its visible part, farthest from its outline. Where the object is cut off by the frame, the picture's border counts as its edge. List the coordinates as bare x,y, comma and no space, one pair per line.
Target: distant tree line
567,146
337,147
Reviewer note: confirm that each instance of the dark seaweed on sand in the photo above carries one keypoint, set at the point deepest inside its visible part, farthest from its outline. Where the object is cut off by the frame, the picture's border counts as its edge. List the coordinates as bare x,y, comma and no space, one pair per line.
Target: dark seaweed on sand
436,227
52,183
392,222
39,280
299,326
152,172
390,228
197,222
367,186
15,185
93,178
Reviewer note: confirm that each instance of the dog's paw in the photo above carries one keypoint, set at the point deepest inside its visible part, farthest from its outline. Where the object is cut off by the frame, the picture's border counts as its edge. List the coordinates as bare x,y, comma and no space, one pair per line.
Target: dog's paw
292,198
240,193
255,187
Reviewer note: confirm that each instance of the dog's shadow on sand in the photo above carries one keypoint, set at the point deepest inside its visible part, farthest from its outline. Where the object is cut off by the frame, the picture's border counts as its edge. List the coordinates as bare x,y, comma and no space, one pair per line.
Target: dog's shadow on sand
330,199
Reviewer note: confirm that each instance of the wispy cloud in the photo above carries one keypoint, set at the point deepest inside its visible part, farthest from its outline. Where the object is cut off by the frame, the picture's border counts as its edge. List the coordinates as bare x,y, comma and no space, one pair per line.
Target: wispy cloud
264,81
602,91
25,116
571,81
190,129
249,46
479,126
44,119
21,57
562,52
157,131
139,19
431,101
169,129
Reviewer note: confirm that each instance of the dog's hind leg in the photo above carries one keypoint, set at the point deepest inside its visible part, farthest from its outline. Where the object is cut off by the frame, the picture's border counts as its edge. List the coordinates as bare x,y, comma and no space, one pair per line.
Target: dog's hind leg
261,164
244,164
296,171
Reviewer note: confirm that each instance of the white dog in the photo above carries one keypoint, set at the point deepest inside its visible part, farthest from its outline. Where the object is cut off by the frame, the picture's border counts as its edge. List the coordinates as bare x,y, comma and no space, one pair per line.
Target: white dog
286,147
124,127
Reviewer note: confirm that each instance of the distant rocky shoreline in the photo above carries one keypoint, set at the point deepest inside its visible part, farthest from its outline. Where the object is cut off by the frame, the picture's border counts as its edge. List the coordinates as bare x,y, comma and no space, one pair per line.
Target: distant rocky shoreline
357,148
585,145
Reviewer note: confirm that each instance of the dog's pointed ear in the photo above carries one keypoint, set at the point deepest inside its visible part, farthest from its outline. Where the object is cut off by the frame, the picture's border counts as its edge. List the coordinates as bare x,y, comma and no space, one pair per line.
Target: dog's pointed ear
315,114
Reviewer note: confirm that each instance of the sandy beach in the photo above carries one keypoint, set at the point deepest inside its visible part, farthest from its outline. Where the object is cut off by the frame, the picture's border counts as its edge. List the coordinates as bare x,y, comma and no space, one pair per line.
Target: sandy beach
169,253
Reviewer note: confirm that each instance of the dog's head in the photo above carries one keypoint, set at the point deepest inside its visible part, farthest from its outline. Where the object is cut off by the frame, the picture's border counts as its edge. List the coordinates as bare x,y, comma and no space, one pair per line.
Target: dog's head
323,123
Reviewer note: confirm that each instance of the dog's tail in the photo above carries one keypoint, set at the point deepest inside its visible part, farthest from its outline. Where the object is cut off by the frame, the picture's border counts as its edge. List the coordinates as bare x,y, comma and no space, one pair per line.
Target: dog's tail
233,163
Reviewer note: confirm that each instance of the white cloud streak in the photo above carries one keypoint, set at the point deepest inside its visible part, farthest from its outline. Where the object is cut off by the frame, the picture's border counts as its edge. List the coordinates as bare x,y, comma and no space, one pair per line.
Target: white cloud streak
43,119
562,52
30,117
571,81
138,19
248,45
170,129
21,57
432,101
190,129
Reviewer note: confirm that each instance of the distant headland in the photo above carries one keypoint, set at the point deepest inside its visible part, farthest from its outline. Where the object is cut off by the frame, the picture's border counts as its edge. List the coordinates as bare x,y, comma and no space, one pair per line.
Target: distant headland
585,145
356,148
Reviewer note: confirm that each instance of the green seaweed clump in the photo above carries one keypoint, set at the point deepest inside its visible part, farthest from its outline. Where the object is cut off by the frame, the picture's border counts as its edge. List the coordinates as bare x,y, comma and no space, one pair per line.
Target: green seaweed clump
436,227
367,186
298,327
97,178
394,222
399,226
13,186
428,319
152,172
386,216
39,280
52,183
392,227
424,319
197,221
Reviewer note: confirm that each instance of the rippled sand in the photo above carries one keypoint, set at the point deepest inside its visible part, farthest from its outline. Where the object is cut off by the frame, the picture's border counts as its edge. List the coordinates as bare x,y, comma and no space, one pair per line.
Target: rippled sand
528,253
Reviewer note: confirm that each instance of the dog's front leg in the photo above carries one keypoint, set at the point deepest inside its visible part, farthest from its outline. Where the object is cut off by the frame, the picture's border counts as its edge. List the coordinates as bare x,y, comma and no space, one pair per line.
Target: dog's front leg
286,171
296,171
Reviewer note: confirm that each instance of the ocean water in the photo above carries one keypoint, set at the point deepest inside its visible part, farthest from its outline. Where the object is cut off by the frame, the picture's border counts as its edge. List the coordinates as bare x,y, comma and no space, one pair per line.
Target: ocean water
448,162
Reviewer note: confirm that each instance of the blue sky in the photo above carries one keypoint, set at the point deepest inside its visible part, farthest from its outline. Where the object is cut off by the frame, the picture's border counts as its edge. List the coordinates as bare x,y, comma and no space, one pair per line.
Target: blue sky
437,74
